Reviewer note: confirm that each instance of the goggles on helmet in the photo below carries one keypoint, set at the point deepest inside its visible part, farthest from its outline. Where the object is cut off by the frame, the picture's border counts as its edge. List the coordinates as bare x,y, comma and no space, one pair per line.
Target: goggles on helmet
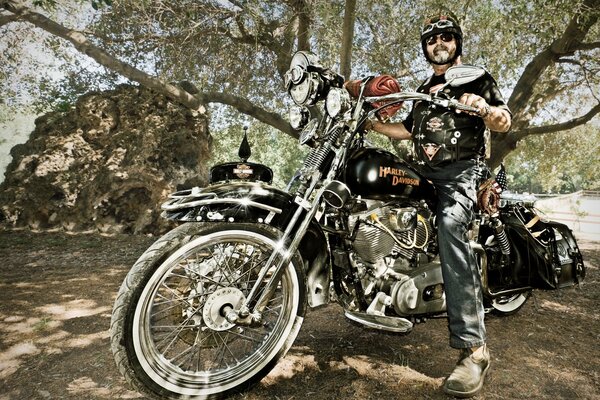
443,23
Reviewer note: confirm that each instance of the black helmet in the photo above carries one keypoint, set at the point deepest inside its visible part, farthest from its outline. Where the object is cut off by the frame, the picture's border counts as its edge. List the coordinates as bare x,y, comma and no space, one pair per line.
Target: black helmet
435,26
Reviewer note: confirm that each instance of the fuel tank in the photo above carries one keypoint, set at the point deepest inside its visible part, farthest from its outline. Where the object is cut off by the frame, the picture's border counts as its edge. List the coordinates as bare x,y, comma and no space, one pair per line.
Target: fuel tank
376,173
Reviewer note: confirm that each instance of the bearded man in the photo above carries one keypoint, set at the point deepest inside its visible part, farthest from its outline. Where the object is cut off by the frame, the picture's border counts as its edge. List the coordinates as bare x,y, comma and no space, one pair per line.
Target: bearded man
449,147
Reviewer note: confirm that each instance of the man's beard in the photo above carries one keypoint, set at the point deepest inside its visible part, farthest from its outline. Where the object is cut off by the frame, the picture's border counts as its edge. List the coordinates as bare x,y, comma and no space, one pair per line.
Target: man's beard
441,54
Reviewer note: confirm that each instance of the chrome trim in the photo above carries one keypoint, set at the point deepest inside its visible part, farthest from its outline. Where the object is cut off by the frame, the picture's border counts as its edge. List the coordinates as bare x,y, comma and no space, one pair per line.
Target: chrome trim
177,204
193,192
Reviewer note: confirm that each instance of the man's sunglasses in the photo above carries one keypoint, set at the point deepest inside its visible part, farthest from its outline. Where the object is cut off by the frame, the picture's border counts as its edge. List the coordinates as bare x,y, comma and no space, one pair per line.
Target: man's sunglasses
446,37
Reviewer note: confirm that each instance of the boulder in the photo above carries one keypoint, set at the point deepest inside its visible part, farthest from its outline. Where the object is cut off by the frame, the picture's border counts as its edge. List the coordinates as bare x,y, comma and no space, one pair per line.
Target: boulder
106,164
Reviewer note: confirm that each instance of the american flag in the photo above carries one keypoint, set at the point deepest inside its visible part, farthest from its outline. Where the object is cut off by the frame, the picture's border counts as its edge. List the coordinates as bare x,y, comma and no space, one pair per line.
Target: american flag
501,177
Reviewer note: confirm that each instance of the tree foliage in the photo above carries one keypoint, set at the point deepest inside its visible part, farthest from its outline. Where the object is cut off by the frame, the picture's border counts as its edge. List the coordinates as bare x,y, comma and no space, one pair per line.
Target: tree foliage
544,53
568,162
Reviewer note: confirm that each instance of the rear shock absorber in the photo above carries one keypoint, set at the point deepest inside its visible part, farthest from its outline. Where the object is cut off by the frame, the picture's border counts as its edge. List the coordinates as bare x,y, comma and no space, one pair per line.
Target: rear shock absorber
500,235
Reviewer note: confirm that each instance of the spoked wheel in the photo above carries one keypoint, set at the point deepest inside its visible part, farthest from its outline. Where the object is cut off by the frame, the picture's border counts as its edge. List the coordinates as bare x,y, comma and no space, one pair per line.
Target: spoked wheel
171,335
507,305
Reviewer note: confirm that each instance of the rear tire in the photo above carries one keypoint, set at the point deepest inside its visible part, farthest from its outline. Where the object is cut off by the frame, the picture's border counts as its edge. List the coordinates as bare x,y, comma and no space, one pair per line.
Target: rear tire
169,336
508,305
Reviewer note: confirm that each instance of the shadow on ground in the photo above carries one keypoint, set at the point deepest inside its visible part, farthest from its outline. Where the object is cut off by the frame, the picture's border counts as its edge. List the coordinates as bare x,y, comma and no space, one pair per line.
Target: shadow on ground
57,290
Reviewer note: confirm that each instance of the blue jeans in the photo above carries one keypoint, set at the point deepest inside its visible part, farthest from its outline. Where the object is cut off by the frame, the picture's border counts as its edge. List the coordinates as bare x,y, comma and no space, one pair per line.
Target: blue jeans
456,186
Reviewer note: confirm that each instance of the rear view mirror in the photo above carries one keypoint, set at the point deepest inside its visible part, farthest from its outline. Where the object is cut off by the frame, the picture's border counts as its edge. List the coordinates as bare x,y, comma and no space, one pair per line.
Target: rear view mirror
461,74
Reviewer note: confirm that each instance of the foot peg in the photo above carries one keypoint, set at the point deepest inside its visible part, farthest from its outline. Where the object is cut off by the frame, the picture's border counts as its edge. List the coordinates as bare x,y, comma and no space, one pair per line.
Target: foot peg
381,322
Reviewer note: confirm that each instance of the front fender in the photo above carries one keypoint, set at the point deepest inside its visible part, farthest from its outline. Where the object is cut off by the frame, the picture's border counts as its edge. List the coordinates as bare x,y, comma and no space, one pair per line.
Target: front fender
258,203
229,202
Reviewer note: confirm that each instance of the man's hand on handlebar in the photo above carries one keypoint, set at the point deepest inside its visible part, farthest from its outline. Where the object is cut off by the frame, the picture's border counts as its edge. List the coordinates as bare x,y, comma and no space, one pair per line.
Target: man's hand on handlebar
473,100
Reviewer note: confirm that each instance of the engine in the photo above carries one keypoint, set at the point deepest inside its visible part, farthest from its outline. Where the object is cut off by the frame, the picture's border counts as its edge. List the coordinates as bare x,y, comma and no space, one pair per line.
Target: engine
391,230
389,240
393,244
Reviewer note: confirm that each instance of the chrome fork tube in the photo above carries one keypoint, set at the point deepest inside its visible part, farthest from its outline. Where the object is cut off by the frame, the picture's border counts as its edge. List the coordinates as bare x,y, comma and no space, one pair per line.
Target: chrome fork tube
303,205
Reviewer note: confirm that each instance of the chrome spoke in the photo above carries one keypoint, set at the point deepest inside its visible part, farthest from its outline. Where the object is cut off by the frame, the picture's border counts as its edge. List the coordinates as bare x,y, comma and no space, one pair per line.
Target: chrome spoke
188,342
227,347
177,332
246,337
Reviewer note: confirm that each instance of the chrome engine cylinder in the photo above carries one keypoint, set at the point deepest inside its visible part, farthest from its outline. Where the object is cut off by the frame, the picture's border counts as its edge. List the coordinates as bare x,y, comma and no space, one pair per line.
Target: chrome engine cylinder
372,242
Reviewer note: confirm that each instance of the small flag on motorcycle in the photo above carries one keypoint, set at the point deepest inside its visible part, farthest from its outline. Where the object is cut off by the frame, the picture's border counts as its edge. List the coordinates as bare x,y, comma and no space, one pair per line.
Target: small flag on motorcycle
501,178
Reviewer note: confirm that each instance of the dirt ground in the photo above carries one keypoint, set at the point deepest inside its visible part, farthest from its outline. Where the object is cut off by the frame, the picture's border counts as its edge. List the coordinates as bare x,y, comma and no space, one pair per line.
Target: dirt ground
57,291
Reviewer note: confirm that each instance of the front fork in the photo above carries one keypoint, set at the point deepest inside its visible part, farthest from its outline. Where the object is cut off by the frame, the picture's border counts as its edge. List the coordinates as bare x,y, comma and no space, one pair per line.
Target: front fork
283,253
247,316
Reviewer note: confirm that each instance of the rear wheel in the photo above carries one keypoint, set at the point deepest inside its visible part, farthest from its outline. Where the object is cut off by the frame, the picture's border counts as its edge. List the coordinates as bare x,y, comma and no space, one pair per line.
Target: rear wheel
508,305
170,335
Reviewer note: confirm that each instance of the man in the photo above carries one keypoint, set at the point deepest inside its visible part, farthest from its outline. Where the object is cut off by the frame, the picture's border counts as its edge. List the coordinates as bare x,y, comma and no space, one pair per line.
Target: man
449,147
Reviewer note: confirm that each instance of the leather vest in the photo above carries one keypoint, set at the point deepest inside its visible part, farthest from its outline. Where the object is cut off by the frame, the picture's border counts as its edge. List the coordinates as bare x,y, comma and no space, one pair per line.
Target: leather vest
440,135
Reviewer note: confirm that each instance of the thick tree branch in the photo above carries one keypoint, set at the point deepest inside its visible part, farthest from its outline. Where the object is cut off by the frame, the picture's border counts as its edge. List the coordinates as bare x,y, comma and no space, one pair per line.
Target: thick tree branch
569,42
347,38
588,46
82,44
520,101
7,18
302,10
247,107
539,130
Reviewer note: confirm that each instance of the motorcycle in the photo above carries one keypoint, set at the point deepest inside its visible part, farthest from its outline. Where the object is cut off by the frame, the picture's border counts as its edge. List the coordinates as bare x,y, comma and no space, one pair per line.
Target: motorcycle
212,306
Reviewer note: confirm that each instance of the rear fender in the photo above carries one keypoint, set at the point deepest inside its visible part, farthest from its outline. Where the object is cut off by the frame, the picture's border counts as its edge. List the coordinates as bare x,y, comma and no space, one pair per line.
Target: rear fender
258,203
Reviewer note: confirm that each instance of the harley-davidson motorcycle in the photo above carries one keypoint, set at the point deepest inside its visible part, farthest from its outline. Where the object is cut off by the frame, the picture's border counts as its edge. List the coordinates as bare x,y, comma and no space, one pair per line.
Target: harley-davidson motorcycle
211,306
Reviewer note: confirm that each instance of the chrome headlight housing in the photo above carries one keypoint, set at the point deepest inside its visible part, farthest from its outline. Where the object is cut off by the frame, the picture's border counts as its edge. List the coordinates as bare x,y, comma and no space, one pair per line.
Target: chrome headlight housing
293,76
306,92
298,116
337,102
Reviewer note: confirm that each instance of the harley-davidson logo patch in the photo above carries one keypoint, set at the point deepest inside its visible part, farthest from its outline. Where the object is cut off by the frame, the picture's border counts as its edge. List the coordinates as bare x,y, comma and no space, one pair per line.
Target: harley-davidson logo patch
398,176
430,150
243,171
435,124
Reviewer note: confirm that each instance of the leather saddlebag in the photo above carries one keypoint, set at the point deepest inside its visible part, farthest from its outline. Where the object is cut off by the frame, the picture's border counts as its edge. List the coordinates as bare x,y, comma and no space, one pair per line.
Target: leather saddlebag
557,256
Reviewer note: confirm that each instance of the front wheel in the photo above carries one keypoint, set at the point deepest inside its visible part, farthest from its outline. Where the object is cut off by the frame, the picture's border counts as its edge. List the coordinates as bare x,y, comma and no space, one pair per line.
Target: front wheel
169,334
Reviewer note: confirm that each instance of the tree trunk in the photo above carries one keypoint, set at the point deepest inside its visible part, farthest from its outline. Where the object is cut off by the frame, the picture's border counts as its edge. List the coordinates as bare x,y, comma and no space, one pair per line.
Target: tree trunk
347,39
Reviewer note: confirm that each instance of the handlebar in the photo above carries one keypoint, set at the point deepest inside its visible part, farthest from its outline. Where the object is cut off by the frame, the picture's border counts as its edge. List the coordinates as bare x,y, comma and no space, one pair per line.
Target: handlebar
412,96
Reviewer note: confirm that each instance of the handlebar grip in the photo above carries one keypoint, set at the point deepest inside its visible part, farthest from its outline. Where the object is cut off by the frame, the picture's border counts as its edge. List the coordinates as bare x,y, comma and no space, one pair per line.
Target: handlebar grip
462,107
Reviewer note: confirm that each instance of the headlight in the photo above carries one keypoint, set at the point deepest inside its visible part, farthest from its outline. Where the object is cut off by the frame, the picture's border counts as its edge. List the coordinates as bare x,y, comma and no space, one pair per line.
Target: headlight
306,92
298,117
338,102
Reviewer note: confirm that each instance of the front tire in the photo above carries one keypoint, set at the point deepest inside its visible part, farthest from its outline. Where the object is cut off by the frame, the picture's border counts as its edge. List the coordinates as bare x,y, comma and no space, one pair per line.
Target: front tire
169,336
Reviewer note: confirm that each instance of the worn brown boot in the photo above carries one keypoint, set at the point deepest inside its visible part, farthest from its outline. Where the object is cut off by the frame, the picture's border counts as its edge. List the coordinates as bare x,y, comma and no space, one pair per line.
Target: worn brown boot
468,375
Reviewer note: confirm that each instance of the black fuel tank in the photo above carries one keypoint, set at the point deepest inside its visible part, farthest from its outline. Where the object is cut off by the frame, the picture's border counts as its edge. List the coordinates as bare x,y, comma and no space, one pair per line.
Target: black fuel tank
376,173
